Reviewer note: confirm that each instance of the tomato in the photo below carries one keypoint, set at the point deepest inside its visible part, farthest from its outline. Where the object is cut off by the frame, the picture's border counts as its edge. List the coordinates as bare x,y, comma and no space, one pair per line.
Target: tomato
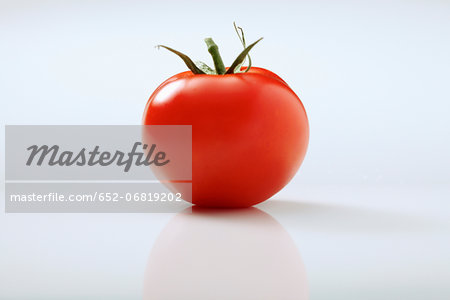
249,129
249,133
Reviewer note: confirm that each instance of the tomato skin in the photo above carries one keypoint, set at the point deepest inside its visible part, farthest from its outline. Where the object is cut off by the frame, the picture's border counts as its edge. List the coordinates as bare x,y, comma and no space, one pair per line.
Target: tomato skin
249,133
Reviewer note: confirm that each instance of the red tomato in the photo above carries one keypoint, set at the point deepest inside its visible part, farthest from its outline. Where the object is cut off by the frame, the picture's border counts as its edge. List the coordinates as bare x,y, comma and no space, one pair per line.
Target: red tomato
249,133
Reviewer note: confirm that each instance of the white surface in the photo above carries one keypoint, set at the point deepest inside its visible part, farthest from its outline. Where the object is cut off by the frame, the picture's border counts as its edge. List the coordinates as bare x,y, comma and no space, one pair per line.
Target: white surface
355,242
369,209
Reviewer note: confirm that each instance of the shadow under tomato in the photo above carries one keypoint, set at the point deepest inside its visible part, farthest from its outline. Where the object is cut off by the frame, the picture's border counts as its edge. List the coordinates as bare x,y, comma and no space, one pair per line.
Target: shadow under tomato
322,217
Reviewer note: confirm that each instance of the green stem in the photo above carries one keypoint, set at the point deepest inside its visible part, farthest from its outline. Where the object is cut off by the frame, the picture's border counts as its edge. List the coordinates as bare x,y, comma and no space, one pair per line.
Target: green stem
213,49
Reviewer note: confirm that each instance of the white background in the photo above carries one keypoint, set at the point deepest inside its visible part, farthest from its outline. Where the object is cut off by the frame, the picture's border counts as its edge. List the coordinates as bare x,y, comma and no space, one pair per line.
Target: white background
368,209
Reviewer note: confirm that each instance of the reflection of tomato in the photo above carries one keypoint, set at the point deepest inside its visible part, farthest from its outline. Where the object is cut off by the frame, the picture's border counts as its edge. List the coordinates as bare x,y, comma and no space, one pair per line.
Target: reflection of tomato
225,254
249,133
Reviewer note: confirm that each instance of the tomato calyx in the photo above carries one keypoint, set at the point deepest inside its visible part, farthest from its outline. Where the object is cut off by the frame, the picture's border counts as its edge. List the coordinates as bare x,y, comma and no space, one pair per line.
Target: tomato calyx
199,67
213,49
